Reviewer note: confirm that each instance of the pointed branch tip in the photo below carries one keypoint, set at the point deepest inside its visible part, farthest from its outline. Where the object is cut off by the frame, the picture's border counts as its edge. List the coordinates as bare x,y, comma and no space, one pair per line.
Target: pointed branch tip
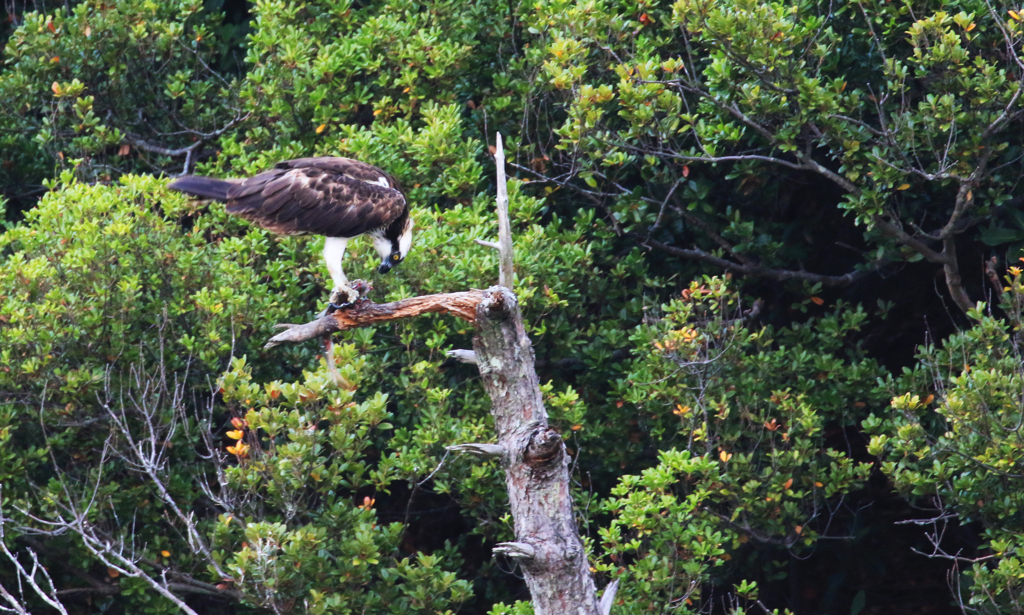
515,550
505,258
480,450
462,356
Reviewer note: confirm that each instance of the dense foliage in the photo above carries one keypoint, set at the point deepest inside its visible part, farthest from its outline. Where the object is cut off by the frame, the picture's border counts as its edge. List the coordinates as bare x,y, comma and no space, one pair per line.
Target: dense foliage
766,253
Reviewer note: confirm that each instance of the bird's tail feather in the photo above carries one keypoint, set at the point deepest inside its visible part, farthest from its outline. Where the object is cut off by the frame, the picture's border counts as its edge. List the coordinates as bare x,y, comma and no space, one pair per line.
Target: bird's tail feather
203,187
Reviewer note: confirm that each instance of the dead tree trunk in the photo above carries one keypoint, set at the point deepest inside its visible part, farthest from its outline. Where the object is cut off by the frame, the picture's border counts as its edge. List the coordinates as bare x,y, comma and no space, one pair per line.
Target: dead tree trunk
548,546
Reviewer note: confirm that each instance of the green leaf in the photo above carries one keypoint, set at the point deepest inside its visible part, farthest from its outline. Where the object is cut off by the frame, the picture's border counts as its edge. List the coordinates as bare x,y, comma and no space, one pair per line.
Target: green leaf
858,603
1000,235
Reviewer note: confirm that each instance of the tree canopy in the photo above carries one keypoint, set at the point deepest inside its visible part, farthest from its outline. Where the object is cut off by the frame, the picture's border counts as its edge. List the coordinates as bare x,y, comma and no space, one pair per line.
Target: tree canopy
768,255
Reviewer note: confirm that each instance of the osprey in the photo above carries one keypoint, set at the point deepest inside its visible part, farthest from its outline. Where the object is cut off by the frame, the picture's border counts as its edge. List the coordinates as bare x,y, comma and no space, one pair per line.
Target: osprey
339,198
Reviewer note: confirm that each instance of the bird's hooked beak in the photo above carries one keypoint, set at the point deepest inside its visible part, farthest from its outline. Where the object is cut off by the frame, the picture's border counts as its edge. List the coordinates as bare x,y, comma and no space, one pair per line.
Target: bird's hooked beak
389,261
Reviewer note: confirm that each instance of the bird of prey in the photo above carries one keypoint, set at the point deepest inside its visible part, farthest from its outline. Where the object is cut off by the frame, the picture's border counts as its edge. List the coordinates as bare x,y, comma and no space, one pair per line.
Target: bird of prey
339,198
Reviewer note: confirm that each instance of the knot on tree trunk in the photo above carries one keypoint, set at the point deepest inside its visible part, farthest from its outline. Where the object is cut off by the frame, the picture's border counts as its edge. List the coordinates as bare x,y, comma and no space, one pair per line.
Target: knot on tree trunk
497,304
544,446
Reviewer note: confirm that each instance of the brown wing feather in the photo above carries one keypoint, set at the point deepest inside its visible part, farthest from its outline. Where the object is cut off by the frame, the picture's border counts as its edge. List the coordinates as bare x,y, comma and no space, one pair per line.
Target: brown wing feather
325,196
341,166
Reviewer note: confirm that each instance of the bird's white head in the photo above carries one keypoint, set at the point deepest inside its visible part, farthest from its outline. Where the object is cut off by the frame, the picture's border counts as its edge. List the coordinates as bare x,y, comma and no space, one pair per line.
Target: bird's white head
394,251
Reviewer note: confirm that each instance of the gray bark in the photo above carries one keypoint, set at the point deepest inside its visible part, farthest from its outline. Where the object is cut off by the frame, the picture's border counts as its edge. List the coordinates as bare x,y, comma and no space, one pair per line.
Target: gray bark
547,546
506,271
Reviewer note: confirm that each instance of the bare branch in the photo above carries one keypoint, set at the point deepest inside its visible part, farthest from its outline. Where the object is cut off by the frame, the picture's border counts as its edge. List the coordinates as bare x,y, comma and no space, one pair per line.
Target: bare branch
48,595
365,313
188,151
953,280
758,271
146,146
993,276
896,231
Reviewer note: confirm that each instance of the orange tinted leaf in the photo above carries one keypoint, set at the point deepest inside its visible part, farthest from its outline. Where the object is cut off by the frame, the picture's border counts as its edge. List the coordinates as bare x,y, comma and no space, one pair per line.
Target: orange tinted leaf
788,484
903,186
239,449
113,573
817,301
50,27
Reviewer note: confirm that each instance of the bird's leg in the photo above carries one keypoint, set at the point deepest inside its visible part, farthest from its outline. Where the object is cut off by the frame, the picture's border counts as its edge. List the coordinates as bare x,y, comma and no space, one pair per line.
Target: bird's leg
342,295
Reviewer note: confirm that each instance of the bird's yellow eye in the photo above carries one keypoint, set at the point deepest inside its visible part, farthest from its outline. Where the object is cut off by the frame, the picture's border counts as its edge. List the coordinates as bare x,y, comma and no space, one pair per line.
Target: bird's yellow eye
396,257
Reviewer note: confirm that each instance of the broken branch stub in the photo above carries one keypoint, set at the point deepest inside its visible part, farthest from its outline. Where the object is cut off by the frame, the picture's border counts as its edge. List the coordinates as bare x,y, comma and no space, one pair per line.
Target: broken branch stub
478,449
